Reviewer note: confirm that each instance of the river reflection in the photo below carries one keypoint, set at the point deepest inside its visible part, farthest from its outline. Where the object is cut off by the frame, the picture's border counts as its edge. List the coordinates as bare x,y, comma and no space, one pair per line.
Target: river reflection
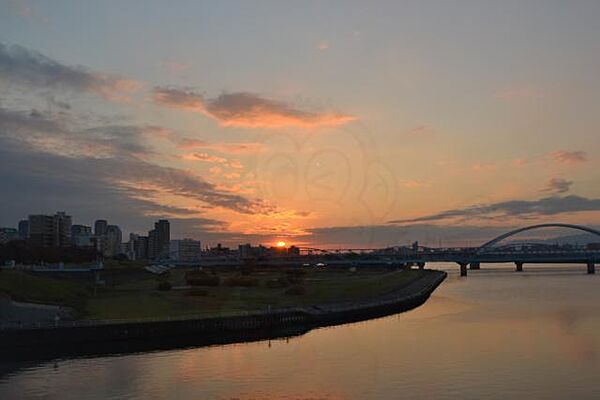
495,334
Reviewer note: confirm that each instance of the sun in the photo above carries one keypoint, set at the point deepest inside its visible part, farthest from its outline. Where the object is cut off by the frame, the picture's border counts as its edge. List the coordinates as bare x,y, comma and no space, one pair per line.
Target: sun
280,244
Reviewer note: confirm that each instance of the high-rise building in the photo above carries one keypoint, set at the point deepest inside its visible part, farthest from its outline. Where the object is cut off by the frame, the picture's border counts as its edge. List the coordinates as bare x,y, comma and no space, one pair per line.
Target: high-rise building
184,250
24,229
152,245
100,227
113,238
159,239
140,248
137,247
50,230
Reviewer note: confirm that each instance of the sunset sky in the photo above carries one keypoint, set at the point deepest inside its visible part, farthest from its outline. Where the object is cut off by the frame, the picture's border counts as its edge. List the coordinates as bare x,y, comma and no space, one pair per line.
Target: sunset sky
317,123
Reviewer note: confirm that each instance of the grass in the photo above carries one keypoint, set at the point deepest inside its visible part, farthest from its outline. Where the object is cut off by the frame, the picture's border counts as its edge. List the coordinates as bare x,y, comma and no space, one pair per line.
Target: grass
142,300
22,286
133,293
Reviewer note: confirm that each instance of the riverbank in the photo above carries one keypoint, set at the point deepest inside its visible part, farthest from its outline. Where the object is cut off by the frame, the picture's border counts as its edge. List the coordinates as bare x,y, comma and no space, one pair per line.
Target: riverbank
258,325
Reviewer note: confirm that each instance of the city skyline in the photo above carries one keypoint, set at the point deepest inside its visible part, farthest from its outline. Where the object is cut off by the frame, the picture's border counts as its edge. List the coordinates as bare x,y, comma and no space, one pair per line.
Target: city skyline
434,134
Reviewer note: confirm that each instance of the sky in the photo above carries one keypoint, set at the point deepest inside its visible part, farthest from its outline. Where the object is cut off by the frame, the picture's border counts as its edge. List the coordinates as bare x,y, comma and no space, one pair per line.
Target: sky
348,124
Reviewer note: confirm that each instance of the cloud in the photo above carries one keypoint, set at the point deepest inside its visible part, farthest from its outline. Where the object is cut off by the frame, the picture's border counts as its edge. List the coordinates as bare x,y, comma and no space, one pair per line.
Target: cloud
558,185
568,157
107,154
228,148
322,45
419,132
175,67
26,67
204,157
51,133
235,164
514,208
247,110
415,184
45,183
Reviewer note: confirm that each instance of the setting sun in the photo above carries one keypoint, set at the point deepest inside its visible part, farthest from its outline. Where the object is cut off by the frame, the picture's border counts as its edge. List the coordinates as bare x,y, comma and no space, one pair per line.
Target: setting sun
280,244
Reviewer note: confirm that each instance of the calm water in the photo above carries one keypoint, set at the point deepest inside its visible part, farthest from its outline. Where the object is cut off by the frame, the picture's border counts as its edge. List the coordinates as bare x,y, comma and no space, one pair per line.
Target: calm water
495,334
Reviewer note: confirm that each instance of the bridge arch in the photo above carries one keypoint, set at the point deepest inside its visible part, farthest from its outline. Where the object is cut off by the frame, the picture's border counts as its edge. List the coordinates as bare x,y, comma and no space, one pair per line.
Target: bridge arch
532,227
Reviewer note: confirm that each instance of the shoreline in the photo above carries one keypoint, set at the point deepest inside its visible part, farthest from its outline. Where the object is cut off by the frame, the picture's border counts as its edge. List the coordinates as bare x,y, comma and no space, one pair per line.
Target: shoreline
133,336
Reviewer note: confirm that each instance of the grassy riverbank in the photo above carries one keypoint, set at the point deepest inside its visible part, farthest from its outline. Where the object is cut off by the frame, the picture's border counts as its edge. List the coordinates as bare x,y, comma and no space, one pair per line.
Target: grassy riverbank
25,287
134,293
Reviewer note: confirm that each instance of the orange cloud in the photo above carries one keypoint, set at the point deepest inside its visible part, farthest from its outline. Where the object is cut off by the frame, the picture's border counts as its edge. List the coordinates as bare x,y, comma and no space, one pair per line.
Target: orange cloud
235,164
419,132
229,148
204,157
568,157
247,110
322,46
414,184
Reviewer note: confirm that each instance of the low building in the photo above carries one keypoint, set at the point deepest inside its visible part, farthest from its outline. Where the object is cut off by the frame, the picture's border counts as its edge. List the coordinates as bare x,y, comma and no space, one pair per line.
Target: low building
185,250
81,236
8,235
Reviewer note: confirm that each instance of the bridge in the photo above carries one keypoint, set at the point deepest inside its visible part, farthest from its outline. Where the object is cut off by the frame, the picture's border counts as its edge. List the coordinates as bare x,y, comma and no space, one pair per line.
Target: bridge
465,257
487,253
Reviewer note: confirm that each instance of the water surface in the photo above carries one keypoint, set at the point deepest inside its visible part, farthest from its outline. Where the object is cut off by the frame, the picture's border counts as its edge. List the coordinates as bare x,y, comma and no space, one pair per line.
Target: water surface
496,334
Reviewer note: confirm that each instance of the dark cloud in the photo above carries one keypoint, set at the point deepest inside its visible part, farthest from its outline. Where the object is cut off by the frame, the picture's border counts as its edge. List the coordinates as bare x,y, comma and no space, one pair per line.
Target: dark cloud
52,133
31,190
514,208
247,110
19,65
558,185
107,155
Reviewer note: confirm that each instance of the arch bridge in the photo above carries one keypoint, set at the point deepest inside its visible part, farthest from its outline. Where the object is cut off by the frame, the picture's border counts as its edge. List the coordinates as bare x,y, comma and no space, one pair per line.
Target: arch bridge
486,254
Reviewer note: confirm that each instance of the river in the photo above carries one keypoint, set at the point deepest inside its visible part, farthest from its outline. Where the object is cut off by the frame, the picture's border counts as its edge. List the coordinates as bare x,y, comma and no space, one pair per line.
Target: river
495,334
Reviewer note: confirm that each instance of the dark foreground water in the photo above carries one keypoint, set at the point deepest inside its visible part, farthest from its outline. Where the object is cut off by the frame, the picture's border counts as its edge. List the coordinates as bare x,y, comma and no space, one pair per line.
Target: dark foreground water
493,335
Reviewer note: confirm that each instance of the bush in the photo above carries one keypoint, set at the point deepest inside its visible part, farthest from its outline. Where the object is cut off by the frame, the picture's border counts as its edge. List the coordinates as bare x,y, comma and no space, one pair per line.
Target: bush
244,281
278,283
296,272
164,286
201,278
295,275
296,290
197,292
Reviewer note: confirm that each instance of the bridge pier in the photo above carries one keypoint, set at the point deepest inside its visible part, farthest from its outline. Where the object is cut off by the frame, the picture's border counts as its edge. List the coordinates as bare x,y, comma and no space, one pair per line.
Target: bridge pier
463,268
475,265
519,265
591,267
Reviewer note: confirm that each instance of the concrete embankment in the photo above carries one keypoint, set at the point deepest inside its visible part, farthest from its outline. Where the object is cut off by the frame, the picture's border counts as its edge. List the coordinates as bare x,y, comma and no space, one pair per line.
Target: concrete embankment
197,331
